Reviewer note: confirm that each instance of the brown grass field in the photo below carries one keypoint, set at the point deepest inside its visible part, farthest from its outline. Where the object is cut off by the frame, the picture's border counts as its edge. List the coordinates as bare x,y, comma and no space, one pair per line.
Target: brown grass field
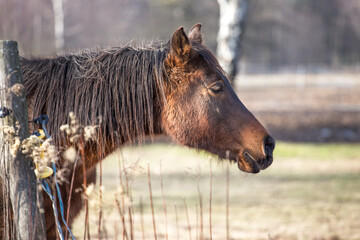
311,191
298,197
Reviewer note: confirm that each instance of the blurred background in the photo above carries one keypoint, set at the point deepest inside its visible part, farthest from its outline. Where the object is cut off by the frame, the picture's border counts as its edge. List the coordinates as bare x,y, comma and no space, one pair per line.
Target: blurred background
281,35
296,67
300,45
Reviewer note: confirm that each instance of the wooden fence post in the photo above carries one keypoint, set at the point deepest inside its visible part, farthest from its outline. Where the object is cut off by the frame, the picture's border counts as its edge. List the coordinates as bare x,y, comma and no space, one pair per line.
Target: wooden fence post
18,178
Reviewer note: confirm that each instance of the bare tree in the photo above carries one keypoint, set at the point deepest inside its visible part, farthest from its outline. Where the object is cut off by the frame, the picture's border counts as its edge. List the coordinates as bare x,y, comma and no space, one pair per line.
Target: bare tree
58,23
231,30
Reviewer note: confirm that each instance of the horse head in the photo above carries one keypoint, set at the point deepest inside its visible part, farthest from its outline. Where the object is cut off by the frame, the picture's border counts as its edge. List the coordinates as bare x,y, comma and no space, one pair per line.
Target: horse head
202,110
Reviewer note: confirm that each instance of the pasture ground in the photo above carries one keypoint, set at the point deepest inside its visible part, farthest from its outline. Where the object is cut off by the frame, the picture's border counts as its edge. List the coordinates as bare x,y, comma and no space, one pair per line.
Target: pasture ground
311,191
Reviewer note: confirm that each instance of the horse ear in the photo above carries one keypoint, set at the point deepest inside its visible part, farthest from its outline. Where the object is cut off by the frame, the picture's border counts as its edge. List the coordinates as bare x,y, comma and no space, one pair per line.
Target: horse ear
180,44
195,33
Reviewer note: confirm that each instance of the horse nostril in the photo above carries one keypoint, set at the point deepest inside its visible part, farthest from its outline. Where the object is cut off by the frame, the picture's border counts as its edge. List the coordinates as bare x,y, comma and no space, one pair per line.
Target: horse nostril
269,145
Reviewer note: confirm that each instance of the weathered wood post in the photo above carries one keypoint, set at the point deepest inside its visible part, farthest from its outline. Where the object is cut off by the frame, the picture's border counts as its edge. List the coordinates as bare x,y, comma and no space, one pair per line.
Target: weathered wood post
18,177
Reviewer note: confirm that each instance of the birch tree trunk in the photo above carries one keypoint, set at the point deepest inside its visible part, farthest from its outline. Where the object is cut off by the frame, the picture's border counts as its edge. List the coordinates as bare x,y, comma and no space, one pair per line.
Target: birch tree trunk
231,31
21,217
58,24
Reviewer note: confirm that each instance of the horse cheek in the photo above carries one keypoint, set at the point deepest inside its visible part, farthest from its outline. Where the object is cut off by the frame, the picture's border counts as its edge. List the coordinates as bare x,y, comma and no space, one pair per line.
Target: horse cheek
171,118
178,121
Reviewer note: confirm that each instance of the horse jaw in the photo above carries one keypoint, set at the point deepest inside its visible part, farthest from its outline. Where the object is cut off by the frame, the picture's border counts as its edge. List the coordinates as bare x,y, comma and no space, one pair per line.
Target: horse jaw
247,164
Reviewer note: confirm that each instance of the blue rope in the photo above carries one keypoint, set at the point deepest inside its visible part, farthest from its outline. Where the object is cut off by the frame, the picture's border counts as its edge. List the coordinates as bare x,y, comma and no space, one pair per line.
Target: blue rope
43,119
52,198
61,202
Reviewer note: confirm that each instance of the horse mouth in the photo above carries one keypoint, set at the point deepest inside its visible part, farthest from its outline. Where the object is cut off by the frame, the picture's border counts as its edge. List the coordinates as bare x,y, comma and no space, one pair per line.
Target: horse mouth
247,163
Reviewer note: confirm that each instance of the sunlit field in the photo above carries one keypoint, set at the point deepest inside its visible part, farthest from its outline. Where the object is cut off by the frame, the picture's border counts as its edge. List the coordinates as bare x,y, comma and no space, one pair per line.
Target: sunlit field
311,191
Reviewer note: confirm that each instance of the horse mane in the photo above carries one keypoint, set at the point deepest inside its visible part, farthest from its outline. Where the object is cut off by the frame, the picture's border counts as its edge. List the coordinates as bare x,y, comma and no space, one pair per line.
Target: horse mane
122,86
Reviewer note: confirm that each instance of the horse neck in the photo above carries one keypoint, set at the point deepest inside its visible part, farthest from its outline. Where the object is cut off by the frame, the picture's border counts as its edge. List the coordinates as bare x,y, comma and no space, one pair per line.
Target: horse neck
123,87
106,145
136,108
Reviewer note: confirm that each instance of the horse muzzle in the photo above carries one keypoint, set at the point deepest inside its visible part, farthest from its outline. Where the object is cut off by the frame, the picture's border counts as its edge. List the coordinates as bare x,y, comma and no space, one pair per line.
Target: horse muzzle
247,163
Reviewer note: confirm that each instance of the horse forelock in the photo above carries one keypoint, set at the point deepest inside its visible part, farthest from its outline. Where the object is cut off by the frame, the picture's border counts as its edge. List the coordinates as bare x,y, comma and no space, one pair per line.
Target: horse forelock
122,86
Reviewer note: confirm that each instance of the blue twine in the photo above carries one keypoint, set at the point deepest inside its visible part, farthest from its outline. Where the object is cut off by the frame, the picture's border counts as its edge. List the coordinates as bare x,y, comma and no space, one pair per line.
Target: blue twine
61,202
52,198
43,119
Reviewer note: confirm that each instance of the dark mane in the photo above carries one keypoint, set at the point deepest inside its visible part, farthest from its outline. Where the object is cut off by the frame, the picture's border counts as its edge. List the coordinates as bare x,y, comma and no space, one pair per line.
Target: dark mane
121,85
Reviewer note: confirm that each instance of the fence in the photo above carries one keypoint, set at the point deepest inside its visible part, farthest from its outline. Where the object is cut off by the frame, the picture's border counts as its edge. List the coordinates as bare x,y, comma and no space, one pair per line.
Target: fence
19,196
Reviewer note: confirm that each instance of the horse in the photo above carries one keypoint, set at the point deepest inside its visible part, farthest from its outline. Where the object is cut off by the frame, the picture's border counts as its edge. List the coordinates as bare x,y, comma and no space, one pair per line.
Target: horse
177,89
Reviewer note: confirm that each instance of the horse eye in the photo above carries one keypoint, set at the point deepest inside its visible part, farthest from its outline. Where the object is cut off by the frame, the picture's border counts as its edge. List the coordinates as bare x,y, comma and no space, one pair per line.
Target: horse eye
217,88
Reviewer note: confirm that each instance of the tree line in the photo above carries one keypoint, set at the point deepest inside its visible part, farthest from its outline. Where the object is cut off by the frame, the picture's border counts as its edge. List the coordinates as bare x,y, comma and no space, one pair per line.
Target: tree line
278,33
